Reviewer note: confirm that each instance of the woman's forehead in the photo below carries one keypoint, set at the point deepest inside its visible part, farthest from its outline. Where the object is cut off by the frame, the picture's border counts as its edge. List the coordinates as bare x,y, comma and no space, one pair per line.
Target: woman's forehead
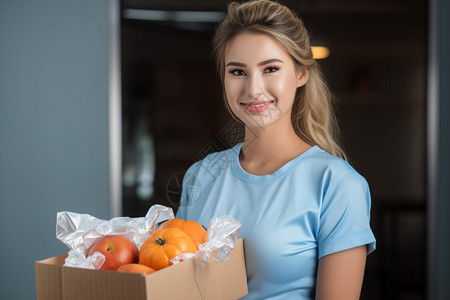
252,48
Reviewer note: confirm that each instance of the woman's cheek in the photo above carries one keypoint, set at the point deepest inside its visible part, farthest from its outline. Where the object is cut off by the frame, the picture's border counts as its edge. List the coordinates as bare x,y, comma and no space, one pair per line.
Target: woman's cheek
232,97
232,91
284,87
275,88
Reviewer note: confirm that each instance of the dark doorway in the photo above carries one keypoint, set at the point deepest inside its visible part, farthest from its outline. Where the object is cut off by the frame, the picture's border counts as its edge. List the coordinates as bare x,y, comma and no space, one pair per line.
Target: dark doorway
173,114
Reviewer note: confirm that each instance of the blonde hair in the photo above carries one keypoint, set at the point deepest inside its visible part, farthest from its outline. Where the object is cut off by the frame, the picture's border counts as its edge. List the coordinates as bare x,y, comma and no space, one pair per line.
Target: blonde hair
312,115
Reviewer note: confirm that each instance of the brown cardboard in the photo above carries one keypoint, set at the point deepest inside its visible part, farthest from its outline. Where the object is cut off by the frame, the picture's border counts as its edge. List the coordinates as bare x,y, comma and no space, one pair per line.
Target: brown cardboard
48,278
215,281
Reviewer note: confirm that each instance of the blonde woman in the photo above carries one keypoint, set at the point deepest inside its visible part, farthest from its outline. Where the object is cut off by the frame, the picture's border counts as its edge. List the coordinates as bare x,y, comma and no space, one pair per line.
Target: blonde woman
304,210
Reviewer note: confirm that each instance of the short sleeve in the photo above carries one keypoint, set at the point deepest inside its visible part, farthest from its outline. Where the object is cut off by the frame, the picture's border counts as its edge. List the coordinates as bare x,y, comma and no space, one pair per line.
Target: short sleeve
181,212
184,200
191,189
345,216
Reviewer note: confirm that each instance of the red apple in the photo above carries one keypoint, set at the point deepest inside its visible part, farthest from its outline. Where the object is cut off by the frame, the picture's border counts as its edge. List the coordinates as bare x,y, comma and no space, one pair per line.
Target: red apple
135,268
117,250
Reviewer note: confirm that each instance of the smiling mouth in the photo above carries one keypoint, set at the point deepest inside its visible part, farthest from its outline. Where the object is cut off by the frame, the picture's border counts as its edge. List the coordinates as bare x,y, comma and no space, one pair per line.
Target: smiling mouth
255,107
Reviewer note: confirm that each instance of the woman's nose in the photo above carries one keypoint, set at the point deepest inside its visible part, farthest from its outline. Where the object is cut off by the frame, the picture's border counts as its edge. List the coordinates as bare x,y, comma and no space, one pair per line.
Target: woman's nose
255,86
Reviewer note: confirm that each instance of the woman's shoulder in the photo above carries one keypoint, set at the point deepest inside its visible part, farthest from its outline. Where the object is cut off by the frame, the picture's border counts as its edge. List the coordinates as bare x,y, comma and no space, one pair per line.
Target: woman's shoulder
338,180
330,166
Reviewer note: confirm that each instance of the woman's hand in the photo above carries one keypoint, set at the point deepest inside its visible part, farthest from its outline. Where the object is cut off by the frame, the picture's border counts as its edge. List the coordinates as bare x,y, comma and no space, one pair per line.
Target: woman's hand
340,275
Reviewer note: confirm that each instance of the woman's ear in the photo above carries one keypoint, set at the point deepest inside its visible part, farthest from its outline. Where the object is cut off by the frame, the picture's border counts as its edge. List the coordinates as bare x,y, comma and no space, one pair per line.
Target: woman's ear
302,76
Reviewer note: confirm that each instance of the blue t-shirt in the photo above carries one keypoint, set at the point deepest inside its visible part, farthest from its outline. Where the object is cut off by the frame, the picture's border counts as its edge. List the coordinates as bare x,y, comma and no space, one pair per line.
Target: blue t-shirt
314,205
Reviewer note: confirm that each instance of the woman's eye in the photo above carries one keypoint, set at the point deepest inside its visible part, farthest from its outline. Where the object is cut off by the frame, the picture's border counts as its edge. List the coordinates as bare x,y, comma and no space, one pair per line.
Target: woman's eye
237,72
271,69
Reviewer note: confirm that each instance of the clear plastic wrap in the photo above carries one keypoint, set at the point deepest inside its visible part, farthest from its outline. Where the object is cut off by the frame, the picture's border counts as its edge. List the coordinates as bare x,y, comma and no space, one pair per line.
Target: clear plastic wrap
222,236
80,231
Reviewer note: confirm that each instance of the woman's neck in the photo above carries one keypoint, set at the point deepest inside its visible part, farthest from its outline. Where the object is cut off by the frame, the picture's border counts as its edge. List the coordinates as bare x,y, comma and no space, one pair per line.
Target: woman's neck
275,143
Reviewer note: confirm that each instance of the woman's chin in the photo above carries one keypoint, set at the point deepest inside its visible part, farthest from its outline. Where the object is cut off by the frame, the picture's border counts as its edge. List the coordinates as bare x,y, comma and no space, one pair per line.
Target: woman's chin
257,123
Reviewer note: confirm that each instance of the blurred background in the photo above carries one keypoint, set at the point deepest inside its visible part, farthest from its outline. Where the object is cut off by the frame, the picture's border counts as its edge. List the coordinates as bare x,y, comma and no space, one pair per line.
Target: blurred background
105,104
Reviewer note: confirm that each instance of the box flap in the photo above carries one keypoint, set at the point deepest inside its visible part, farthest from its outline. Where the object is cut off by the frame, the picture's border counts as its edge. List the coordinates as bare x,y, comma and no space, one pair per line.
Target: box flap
173,281
48,278
224,280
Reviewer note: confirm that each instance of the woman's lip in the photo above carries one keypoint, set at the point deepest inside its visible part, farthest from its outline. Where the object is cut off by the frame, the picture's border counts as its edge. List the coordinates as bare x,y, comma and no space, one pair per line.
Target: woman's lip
256,107
255,102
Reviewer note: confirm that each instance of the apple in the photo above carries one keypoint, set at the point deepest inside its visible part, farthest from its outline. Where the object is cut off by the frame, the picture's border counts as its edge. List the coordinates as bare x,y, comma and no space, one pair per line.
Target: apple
135,268
117,250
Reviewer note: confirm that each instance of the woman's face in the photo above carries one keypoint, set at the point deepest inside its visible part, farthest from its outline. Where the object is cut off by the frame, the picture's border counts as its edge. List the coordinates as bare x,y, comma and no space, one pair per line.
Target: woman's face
260,79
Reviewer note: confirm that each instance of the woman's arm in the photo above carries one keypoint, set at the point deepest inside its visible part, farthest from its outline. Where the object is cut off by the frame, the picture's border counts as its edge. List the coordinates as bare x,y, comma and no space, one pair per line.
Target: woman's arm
340,275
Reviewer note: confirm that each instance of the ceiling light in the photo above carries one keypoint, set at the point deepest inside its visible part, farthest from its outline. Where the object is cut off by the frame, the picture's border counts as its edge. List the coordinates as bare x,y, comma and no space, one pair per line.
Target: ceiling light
320,52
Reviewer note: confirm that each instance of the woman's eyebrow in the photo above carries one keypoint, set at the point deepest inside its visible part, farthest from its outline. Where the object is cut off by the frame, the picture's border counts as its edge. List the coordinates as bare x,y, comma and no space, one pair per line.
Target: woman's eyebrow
238,64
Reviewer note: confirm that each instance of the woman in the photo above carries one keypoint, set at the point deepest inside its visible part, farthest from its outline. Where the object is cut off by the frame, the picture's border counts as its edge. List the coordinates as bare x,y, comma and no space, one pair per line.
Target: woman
304,210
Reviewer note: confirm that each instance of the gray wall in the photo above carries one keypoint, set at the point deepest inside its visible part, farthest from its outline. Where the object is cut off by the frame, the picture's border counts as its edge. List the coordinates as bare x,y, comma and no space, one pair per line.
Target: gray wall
53,128
442,213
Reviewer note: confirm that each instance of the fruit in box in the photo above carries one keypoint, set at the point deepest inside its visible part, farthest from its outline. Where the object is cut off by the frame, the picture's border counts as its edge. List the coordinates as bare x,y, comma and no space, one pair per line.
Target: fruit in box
135,268
117,250
193,229
163,245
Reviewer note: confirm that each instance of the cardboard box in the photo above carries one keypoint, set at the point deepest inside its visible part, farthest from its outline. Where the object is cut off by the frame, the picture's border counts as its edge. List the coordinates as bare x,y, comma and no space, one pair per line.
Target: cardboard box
217,280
